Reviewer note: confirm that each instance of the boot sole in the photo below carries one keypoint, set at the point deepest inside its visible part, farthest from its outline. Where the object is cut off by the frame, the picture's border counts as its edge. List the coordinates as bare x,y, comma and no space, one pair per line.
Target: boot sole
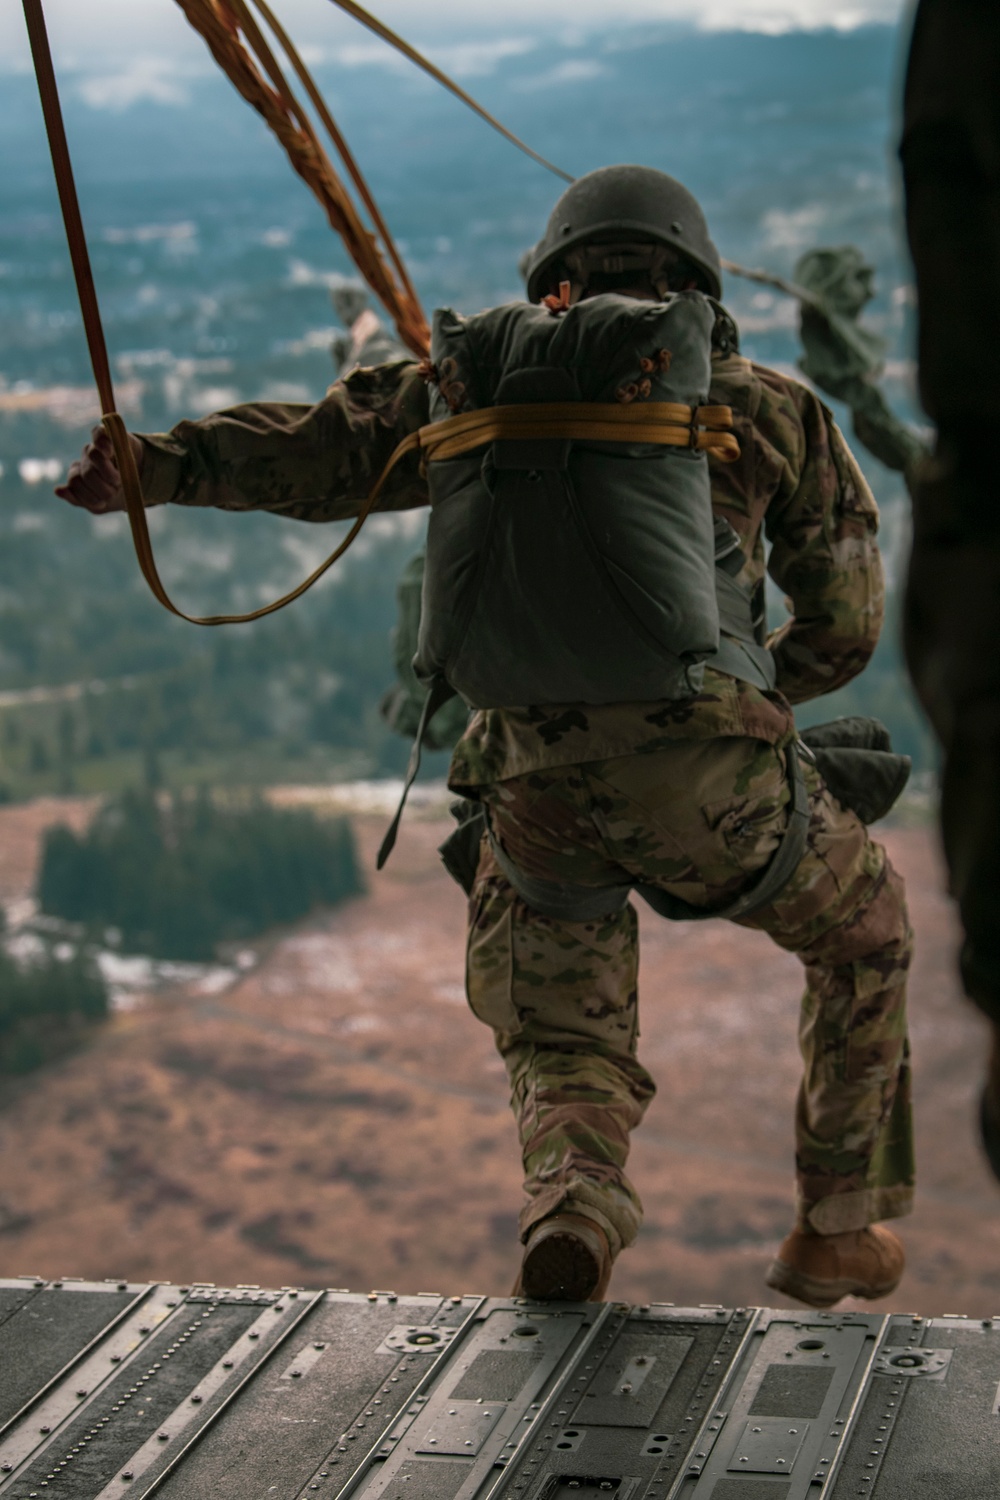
560,1268
816,1293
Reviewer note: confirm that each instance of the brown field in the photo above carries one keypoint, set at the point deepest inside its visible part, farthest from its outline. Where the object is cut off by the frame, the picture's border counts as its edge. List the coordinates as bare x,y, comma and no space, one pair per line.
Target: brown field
338,1118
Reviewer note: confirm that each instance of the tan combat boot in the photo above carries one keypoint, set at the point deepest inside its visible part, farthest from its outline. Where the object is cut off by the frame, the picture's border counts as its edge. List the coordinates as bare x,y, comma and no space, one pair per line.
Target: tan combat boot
819,1269
567,1258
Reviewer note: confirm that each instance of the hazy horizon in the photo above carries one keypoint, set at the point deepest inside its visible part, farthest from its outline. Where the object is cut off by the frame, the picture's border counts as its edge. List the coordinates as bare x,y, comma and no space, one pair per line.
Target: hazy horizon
85,33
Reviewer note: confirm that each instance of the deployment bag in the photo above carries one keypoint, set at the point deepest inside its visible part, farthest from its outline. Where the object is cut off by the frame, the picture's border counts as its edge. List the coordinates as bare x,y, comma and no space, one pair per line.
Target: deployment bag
577,566
571,547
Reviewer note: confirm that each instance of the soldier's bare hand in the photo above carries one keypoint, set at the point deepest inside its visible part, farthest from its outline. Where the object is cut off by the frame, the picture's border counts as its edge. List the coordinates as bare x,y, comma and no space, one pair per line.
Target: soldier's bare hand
93,482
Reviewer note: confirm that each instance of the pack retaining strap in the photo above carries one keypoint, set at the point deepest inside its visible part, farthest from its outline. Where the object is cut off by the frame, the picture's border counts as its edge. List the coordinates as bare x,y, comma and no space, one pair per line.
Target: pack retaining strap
658,422
135,504
704,428
665,422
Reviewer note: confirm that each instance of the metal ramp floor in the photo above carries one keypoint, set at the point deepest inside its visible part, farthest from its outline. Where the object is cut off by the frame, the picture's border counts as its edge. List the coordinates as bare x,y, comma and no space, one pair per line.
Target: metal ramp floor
207,1393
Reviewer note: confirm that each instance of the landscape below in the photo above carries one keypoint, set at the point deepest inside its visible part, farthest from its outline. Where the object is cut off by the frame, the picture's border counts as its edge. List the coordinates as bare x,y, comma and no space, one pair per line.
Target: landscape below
332,1114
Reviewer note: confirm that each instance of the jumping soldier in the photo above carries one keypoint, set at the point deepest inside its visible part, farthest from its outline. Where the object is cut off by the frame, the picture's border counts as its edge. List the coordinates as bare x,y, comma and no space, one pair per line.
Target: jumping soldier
654,750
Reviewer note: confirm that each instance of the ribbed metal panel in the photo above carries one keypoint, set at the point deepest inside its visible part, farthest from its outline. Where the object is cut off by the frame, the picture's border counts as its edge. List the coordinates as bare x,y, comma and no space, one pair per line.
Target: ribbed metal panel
111,1390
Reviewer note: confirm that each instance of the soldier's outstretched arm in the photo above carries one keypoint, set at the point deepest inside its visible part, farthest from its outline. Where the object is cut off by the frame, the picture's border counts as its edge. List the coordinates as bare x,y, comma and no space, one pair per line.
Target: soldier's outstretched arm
312,463
823,525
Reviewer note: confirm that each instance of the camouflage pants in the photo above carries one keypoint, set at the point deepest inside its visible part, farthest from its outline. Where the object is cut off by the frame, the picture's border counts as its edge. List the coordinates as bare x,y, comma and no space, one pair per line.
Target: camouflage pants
698,818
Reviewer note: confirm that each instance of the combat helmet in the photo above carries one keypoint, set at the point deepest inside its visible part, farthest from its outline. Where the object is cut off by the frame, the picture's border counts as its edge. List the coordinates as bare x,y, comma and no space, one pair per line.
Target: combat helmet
618,204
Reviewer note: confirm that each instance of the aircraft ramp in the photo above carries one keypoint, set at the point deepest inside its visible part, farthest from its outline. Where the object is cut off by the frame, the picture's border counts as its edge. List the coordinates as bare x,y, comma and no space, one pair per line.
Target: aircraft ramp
109,1389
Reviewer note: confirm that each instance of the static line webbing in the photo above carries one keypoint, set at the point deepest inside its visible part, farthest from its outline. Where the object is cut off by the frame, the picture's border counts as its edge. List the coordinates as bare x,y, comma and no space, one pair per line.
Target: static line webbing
80,257
69,203
346,155
703,428
381,30
767,278
238,45
96,344
94,330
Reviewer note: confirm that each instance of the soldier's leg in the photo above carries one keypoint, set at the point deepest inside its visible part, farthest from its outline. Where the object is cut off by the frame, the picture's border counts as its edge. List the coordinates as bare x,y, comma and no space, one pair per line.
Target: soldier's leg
702,819
561,999
711,815
854,1133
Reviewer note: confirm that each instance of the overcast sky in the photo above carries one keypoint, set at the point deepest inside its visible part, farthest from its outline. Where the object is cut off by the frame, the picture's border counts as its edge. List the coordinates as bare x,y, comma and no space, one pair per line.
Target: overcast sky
81,30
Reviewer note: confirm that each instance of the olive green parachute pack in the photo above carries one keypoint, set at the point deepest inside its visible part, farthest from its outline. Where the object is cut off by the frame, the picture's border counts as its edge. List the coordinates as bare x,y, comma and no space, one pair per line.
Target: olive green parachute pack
583,570
577,571
402,704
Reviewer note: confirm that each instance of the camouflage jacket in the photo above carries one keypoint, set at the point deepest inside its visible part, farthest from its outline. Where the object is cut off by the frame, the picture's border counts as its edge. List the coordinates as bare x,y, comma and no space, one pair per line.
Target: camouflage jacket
796,485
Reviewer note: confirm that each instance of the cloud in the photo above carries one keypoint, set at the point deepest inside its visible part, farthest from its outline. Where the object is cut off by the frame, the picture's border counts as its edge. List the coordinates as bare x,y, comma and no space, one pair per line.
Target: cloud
476,59
145,234
461,59
144,78
794,229
361,55
86,31
416,18
777,17
574,70
35,470
301,274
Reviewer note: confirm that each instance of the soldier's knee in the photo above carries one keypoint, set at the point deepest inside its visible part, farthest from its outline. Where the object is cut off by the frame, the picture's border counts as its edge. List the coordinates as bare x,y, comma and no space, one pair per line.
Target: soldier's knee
854,1013
877,931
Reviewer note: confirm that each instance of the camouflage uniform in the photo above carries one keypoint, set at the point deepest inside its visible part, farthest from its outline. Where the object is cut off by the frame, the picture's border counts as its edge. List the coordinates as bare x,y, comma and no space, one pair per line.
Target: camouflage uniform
690,795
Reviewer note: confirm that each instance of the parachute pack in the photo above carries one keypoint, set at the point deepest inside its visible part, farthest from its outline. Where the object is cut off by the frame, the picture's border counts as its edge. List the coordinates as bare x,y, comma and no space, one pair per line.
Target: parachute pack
571,548
578,565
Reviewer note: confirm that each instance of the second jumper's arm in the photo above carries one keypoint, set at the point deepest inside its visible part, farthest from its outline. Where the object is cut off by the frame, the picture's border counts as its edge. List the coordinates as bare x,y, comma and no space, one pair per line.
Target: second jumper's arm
826,559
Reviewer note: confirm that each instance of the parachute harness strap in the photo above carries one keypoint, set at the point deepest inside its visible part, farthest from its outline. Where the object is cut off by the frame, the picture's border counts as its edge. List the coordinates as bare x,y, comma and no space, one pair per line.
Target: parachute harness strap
704,428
